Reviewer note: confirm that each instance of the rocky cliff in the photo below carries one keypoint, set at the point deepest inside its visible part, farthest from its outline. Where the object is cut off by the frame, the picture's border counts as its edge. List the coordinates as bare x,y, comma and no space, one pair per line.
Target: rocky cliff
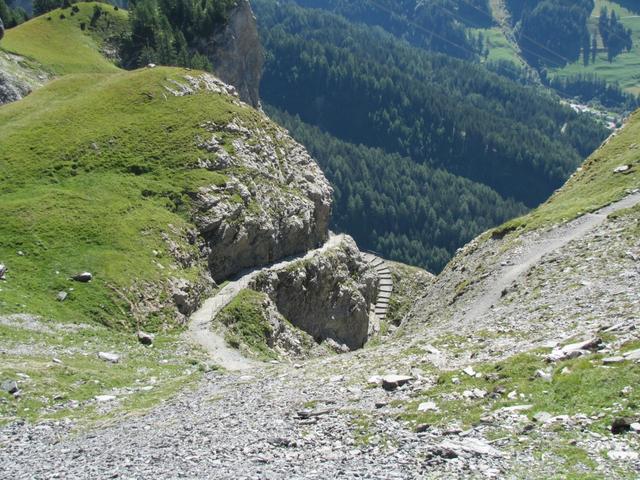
276,202
18,77
328,295
236,53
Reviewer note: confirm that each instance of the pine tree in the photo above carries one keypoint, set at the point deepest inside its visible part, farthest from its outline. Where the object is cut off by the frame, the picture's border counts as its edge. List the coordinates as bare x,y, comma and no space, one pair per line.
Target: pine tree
594,48
603,26
586,49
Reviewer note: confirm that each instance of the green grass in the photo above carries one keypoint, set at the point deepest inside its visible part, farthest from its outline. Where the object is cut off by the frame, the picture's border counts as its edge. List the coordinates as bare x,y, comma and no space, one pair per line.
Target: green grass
500,49
61,46
588,388
625,69
50,388
247,324
591,188
94,169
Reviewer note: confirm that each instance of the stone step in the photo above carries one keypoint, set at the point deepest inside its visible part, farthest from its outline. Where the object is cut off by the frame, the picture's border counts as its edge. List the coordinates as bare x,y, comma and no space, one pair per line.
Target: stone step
385,283
378,263
384,294
382,268
386,288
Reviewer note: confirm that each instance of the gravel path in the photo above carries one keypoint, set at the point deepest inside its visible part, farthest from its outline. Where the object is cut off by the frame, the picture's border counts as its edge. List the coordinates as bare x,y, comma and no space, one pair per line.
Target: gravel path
552,241
200,322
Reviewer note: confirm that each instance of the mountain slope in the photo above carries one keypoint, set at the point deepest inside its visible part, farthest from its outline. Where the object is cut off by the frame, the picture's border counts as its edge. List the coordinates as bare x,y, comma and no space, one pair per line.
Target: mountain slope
64,41
502,392
365,86
403,210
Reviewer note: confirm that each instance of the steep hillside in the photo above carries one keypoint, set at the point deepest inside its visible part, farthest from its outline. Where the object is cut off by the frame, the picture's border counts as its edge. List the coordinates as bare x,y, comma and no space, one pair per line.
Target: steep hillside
94,193
405,211
68,41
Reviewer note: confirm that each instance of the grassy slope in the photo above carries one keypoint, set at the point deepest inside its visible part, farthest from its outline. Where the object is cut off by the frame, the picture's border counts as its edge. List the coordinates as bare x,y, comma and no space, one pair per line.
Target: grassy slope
61,46
94,169
594,185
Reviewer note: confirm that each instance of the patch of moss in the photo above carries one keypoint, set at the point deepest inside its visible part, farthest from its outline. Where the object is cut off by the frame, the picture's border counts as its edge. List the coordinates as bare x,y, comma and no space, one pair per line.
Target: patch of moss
247,324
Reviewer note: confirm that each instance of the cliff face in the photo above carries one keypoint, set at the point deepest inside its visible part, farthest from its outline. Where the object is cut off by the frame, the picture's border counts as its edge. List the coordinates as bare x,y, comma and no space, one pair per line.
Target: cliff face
276,202
236,53
328,295
17,79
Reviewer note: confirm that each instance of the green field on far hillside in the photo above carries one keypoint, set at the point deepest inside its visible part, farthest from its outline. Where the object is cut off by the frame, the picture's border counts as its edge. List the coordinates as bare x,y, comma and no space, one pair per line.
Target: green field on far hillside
625,68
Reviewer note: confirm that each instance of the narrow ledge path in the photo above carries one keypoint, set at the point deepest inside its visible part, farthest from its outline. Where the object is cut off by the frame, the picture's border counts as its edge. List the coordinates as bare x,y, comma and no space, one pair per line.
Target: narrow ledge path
201,322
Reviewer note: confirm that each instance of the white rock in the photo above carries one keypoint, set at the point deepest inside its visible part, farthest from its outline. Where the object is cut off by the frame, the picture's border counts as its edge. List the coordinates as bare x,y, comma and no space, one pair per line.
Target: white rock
105,398
472,445
109,357
391,382
612,360
517,408
470,371
375,380
622,169
428,407
622,455
632,355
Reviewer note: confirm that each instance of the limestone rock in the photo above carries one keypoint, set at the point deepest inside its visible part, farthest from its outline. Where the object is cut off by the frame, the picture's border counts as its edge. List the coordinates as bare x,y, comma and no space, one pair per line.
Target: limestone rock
185,297
280,206
621,425
391,382
427,407
9,386
236,53
105,398
144,338
109,357
83,277
3,270
328,295
62,296
622,455
632,355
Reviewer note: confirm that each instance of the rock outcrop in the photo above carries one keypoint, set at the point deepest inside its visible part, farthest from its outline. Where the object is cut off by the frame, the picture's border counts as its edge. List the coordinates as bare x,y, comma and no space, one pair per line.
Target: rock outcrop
236,53
17,79
328,295
275,203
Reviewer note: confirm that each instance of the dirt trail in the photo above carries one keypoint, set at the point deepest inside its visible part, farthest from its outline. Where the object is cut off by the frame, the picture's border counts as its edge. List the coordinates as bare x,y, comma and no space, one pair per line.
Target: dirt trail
550,241
201,321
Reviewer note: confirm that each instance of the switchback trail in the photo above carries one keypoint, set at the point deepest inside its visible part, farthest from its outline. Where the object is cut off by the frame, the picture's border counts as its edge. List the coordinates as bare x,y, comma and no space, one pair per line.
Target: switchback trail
549,242
200,323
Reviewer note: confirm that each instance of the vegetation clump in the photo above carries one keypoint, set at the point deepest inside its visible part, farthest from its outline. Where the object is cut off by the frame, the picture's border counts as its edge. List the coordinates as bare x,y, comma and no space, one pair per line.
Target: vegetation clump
247,324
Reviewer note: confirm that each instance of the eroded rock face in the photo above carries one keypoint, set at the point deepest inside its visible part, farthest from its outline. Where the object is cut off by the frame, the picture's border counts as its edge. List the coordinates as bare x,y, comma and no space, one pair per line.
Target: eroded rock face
275,203
17,79
236,53
328,295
